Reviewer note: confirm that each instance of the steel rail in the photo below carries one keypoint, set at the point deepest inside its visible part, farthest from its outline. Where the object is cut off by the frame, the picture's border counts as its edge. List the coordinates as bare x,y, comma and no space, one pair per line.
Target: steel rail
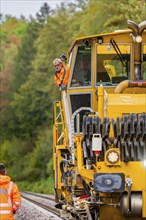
51,208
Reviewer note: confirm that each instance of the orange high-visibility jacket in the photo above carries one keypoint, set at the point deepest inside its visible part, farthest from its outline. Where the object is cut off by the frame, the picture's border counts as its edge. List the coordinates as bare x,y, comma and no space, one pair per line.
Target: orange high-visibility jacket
61,78
10,198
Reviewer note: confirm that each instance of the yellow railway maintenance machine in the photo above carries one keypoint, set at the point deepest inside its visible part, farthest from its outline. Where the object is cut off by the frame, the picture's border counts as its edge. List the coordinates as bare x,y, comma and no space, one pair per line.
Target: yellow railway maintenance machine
99,132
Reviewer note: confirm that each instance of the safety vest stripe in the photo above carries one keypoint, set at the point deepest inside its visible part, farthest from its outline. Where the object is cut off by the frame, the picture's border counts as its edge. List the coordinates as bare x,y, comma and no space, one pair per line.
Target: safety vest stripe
5,212
9,192
10,188
4,204
17,203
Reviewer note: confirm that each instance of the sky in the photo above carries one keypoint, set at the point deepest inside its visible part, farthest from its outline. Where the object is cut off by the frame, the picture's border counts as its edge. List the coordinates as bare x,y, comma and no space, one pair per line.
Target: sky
25,7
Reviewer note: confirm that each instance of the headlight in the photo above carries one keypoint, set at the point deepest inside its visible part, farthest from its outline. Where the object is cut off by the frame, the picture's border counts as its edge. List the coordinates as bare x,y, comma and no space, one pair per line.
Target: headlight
138,39
113,156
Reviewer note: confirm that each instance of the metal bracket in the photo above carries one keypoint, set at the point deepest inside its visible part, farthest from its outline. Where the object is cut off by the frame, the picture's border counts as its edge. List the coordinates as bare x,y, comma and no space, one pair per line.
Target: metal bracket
128,184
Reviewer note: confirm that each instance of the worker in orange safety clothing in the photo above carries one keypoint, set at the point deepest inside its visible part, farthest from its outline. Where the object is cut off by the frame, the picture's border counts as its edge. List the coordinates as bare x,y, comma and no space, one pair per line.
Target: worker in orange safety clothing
10,198
62,72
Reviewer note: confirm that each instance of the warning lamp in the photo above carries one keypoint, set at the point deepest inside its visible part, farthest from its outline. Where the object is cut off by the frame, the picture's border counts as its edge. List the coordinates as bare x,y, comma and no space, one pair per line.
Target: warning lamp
112,157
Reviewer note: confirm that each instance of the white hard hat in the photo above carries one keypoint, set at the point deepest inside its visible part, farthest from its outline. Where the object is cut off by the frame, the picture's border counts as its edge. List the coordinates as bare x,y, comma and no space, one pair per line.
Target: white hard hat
57,61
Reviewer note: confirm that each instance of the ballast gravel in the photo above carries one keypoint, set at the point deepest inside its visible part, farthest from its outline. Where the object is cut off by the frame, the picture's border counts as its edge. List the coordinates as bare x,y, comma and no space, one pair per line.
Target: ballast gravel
29,211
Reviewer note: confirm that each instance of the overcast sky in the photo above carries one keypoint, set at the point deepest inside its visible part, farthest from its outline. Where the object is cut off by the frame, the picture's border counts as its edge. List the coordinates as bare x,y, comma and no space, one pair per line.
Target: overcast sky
25,7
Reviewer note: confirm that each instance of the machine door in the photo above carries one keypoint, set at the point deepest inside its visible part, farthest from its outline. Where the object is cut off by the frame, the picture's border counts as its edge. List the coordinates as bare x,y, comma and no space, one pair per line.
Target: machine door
78,101
81,75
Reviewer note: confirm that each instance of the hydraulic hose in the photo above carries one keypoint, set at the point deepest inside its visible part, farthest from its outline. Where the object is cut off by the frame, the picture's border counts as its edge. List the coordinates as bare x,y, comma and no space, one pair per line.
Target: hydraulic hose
129,83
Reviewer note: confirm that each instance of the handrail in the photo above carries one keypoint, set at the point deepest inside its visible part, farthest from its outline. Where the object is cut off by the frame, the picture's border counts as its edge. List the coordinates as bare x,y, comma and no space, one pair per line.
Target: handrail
59,123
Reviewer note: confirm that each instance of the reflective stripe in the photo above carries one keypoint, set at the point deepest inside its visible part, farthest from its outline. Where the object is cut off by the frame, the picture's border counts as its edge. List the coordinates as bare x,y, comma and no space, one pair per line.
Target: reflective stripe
4,204
17,203
10,188
9,192
5,212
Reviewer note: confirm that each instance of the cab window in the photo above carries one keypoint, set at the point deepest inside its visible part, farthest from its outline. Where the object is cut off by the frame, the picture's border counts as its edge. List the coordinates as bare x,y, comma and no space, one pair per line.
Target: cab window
82,68
113,63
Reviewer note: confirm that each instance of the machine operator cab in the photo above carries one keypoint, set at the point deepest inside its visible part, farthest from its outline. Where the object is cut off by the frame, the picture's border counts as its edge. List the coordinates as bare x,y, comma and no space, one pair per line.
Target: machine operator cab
108,60
108,68
105,60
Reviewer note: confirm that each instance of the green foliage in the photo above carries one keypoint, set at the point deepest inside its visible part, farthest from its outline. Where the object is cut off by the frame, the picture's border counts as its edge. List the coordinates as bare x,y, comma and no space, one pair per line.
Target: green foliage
11,154
30,105
13,26
105,16
36,164
134,10
12,31
127,10
25,55
37,155
10,38
43,186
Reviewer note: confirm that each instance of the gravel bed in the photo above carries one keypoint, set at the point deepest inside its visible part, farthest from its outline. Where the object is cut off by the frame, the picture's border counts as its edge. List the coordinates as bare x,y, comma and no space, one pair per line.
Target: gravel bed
29,211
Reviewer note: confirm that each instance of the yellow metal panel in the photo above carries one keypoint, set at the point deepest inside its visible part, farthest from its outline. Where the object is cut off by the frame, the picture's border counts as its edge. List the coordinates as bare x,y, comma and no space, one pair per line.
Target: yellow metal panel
132,169
105,49
119,105
59,158
144,49
144,202
130,100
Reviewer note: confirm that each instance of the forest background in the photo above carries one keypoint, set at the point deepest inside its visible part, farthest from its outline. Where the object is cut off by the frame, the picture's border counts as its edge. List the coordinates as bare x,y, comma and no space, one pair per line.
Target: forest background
28,47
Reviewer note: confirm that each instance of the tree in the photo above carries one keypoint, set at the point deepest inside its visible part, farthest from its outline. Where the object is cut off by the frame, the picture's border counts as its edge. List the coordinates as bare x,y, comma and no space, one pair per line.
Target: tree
12,31
26,53
134,10
36,164
31,106
44,13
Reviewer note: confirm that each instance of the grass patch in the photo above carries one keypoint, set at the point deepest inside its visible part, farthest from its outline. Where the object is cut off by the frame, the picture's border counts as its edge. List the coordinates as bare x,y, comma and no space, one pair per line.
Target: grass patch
42,186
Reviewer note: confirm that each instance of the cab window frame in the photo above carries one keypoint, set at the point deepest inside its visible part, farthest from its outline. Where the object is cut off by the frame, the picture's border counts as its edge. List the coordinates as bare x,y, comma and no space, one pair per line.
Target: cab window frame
143,61
73,66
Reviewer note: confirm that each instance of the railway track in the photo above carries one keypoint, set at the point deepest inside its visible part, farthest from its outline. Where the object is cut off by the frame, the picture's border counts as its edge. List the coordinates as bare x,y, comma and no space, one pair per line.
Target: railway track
44,201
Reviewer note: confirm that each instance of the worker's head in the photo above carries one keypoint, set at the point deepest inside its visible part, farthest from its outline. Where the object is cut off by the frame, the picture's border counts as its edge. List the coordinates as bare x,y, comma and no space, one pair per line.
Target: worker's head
58,64
2,169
